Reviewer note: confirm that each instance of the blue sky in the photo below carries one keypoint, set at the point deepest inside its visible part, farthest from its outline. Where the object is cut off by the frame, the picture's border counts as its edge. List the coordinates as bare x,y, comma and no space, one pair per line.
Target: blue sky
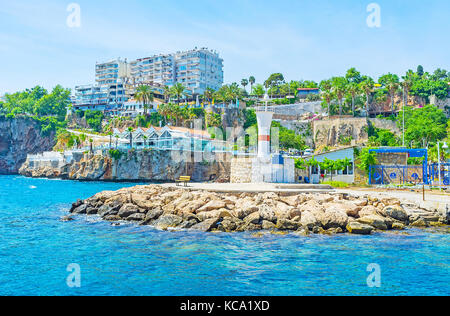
302,39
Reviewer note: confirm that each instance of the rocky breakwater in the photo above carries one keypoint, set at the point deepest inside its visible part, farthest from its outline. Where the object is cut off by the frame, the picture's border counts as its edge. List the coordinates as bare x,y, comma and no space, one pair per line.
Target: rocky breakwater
173,209
18,138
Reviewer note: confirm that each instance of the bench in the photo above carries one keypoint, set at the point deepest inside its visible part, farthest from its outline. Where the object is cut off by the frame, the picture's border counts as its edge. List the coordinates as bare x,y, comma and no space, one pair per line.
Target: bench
183,179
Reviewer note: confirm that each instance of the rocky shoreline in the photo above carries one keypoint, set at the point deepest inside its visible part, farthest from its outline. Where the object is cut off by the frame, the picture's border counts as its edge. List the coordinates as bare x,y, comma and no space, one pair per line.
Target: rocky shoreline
178,208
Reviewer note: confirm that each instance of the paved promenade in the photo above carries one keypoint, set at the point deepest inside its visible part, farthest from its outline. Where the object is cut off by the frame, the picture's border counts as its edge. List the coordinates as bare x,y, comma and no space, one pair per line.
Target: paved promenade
256,187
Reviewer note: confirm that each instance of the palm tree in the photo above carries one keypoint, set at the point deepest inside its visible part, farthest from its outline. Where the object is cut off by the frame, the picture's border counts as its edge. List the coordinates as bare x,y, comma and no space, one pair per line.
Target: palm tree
223,94
407,83
339,89
327,96
178,90
391,82
252,81
166,93
164,111
131,130
91,148
353,89
144,94
244,83
367,87
209,93
392,87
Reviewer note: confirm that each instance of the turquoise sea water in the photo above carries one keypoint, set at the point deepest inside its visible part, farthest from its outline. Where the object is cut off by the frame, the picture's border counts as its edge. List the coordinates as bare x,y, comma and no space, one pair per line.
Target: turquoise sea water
36,248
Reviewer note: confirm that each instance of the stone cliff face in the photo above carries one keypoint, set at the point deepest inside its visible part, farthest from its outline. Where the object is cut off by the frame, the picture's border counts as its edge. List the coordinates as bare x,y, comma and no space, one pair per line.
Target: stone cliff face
19,137
333,132
133,166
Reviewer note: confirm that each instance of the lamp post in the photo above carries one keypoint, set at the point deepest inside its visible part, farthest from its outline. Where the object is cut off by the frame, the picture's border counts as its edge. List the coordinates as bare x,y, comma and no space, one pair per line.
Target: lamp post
445,147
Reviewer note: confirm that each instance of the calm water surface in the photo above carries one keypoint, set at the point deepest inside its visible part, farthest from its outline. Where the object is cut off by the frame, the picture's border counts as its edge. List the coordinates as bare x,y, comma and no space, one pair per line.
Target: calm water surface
36,248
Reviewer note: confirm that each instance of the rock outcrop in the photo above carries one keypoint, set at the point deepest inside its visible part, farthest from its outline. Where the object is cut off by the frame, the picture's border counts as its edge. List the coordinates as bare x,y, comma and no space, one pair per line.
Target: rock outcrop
169,208
142,165
18,138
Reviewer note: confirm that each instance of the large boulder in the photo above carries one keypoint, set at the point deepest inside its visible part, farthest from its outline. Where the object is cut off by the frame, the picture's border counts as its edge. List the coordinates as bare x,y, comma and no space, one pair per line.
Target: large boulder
230,224
291,200
206,225
244,208
153,215
167,221
80,209
211,205
78,203
285,224
375,221
332,217
309,220
253,218
222,213
311,206
396,212
142,202
136,217
266,225
368,210
267,213
420,223
127,210
109,209
350,209
359,228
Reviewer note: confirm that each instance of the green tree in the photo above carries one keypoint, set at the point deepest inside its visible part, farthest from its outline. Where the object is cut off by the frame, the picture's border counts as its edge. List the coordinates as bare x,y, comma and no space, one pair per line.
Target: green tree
353,76
252,81
366,159
353,89
144,94
367,86
258,90
391,82
244,83
178,90
423,125
130,131
339,88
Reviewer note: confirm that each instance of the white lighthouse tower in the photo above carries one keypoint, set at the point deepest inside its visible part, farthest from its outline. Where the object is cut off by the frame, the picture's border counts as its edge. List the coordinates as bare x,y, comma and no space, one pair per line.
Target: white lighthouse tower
262,164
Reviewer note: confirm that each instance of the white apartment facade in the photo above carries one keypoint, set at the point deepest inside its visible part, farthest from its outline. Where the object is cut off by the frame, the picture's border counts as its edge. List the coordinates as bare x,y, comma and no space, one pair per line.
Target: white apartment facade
196,70
199,69
105,97
112,71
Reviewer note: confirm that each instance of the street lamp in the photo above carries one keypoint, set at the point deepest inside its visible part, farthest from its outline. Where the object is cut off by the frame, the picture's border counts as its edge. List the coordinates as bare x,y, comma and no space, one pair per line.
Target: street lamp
445,147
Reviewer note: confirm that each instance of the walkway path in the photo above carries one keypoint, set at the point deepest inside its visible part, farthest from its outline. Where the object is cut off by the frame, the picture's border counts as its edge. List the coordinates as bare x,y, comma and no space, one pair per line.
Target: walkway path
256,188
438,201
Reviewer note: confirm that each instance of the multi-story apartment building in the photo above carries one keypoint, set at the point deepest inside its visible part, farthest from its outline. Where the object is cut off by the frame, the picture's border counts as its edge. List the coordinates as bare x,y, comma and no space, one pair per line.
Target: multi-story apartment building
154,70
116,80
106,97
112,71
199,69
